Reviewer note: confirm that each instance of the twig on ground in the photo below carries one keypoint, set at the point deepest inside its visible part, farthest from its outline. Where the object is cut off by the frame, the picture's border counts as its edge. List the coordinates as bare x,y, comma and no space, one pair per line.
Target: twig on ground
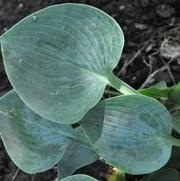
15,174
107,91
33,177
169,71
148,79
127,63
137,54
148,64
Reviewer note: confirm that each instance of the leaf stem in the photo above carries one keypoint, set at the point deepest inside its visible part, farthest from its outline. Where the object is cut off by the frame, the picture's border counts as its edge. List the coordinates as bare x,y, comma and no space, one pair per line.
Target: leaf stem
175,142
121,86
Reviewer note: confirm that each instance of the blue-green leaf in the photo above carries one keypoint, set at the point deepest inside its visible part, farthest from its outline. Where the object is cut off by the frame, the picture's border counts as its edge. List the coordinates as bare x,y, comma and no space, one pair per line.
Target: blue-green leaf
76,156
60,59
33,143
135,133
79,177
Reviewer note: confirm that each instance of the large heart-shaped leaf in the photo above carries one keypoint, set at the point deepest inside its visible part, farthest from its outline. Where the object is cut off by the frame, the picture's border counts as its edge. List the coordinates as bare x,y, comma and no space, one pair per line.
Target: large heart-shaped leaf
135,134
76,156
33,143
79,177
60,59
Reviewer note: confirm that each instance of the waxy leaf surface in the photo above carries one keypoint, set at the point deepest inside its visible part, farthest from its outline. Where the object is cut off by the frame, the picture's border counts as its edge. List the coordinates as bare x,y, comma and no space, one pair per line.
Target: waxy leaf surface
79,177
33,143
76,156
135,133
60,59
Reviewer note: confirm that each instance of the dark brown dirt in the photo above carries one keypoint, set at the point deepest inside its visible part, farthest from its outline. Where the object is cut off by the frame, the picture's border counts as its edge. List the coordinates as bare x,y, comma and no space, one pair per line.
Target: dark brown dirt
151,28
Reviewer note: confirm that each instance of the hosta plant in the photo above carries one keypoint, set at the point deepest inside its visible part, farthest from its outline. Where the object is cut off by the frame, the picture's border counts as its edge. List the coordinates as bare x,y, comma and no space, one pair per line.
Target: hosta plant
59,61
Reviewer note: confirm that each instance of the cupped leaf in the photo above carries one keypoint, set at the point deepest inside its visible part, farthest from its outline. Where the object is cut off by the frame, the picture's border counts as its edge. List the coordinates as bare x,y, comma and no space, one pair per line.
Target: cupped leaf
135,135
33,143
166,174
76,156
79,177
60,59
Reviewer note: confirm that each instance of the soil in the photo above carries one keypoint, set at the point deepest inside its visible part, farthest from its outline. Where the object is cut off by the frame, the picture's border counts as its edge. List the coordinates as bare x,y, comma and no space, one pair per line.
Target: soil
152,32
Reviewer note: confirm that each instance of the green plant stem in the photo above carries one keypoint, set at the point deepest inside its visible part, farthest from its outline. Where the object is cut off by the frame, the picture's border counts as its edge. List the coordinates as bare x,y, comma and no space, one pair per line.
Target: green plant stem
121,86
175,142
